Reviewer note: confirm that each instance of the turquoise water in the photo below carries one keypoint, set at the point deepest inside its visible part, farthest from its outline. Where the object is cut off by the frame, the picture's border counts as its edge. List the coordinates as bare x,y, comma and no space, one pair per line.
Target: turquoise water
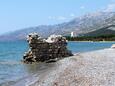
88,46
11,54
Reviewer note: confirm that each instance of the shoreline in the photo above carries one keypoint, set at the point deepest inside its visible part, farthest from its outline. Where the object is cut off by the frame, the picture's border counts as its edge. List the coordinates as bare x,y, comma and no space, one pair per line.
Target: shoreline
92,41
87,68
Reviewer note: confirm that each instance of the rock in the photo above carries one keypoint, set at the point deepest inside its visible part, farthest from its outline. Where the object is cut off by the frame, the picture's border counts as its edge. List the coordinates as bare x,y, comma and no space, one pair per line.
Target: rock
54,47
113,46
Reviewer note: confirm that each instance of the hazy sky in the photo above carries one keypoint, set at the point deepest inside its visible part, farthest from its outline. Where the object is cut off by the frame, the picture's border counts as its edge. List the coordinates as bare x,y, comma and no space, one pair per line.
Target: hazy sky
18,14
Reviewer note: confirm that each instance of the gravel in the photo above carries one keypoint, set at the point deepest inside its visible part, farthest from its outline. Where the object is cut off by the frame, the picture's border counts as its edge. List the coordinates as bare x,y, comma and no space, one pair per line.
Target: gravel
96,68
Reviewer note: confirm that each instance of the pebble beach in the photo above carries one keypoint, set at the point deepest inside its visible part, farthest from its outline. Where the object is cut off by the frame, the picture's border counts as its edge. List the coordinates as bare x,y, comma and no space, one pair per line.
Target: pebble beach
94,68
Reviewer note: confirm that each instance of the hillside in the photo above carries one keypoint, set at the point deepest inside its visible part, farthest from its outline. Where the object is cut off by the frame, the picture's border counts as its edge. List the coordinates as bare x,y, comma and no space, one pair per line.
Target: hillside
109,30
80,25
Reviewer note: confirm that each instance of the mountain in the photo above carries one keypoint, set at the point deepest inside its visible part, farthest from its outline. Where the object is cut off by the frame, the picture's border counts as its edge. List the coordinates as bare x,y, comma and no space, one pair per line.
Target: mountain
81,25
108,30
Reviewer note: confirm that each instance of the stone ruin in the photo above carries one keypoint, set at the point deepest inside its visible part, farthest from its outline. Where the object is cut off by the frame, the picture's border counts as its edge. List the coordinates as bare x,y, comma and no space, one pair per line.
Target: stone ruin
41,50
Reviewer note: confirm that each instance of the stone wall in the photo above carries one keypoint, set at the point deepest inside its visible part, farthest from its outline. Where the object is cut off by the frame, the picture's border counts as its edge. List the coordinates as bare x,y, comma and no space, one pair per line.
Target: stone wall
54,47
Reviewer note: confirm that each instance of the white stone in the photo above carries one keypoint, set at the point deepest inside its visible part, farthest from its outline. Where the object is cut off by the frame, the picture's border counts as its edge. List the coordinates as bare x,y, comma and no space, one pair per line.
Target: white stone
113,46
53,38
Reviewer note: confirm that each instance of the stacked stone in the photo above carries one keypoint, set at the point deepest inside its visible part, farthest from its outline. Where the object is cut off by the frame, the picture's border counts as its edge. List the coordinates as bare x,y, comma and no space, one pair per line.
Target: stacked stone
43,50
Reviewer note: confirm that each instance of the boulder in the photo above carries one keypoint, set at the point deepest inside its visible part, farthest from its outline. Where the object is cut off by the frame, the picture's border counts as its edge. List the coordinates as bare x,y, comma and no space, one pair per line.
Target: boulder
40,50
113,46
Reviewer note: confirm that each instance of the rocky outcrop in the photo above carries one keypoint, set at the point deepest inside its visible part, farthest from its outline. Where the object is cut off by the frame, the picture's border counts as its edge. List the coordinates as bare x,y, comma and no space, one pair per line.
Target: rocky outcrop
54,47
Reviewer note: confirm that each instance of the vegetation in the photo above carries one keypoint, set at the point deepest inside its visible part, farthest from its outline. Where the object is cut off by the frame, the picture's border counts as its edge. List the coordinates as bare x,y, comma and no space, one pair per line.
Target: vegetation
92,38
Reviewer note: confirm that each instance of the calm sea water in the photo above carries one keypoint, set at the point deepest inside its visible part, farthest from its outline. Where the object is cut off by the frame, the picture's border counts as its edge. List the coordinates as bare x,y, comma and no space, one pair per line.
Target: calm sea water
11,54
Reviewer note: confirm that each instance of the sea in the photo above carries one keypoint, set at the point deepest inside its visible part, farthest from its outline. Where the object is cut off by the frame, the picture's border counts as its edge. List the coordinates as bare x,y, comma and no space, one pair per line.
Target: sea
12,70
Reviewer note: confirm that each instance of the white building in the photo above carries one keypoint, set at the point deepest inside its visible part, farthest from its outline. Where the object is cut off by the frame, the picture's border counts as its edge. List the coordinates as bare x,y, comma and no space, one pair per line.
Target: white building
73,34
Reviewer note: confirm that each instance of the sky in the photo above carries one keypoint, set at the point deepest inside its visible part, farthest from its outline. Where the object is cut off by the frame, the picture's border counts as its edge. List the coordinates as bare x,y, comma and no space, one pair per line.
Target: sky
19,14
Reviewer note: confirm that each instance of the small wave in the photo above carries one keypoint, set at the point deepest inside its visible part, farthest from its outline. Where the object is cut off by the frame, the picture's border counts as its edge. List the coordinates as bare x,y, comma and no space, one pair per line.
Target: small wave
8,83
8,53
9,62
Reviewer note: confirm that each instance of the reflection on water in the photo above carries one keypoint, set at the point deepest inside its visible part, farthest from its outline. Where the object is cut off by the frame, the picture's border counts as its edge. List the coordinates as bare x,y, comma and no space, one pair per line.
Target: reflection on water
38,67
13,70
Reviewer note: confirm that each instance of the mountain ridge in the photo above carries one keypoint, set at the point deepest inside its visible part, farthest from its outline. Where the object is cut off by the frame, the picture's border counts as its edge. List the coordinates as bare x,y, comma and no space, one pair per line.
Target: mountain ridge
80,25
102,31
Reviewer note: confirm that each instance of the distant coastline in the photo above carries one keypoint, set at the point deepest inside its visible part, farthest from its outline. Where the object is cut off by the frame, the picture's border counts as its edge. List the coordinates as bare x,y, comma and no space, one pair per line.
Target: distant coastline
97,38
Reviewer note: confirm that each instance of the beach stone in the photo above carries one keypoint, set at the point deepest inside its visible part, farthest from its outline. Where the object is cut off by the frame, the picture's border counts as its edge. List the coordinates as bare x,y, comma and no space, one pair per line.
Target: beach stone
40,50
113,46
